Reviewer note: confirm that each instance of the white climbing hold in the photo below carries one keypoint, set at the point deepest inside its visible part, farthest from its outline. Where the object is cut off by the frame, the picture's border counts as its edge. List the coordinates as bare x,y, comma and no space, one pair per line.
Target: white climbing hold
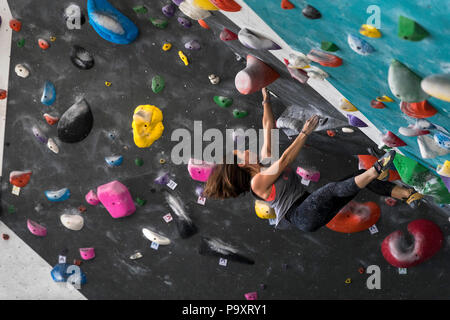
429,149
214,79
52,146
347,130
155,237
192,11
22,71
298,61
72,221
316,73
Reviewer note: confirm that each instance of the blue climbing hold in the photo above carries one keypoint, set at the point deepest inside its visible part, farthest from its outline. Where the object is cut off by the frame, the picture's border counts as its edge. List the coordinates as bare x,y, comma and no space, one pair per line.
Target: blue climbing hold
442,140
60,273
110,23
359,45
49,94
114,161
58,195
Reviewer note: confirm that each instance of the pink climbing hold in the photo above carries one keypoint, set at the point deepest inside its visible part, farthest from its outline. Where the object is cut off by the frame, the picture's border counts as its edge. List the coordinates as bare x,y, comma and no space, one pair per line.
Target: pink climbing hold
391,140
428,240
200,172
324,59
87,253
116,198
255,76
297,74
91,198
311,175
228,35
36,228
251,296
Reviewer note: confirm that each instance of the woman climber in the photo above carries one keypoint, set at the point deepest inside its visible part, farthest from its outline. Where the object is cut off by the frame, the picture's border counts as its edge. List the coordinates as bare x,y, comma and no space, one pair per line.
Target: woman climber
280,186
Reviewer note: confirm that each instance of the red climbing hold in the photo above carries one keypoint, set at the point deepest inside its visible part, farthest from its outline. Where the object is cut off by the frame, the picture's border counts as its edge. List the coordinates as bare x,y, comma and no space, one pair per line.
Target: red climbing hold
286,5
390,201
203,24
427,241
3,94
16,25
226,5
19,178
366,161
51,120
391,140
418,110
5,236
377,104
331,133
355,217
255,76
228,35
324,59
43,44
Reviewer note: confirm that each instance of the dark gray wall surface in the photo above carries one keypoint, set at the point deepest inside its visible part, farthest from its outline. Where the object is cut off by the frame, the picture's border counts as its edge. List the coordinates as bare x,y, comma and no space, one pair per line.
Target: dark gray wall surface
318,263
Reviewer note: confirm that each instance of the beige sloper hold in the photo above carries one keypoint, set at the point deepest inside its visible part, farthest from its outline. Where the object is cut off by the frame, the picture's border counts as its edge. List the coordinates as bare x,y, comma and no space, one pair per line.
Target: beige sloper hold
155,237
72,221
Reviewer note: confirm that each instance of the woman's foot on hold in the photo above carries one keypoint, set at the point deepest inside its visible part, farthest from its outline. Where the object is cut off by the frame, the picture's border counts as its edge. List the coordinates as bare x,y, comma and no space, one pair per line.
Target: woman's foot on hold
414,199
383,164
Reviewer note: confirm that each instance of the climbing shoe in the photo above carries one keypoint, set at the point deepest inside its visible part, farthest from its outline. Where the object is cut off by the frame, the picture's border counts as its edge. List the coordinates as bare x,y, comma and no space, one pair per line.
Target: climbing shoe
383,164
414,199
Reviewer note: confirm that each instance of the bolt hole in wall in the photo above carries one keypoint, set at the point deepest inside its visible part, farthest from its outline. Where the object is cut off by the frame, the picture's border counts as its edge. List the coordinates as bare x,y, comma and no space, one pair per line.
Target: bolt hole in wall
117,228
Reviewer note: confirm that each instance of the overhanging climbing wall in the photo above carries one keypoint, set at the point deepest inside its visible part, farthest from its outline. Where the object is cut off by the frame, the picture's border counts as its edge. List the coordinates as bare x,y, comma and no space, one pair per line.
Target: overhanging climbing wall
363,78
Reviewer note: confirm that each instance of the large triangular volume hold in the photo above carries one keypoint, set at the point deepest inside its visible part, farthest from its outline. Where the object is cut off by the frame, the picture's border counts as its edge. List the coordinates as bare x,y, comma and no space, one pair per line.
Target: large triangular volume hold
76,123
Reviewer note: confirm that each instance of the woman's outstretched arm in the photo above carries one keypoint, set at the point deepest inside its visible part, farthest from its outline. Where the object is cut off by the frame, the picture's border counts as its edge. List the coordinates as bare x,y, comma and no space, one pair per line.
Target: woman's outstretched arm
262,182
268,124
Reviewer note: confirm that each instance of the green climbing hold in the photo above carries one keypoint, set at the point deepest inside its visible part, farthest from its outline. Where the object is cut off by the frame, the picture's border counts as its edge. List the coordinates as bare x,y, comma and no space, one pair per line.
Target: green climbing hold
223,102
410,30
11,209
139,162
239,113
140,201
158,84
140,9
21,43
159,23
329,46
423,180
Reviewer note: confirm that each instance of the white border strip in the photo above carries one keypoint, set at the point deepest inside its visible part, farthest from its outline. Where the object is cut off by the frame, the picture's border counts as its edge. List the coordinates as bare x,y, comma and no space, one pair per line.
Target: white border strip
247,18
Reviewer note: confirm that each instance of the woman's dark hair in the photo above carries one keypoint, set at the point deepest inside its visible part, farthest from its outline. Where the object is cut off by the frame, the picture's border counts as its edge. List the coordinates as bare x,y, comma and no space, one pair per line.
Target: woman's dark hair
227,181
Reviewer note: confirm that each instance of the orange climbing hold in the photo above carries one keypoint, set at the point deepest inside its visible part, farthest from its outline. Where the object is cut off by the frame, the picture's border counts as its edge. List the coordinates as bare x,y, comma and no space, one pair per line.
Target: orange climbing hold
44,45
286,5
203,24
255,76
418,110
16,25
324,59
331,133
50,119
366,161
19,178
3,94
355,217
226,5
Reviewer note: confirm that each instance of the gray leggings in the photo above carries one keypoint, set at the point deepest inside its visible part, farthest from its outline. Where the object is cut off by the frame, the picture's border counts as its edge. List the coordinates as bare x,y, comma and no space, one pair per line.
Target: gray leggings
322,205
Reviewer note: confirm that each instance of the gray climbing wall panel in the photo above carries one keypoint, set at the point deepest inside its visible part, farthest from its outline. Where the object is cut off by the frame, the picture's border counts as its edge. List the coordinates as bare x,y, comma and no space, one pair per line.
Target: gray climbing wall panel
177,271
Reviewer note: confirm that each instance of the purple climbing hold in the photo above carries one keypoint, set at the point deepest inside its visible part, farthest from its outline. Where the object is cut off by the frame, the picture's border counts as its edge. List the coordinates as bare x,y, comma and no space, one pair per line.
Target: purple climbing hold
192,45
169,10
184,22
39,135
199,190
177,2
355,121
163,179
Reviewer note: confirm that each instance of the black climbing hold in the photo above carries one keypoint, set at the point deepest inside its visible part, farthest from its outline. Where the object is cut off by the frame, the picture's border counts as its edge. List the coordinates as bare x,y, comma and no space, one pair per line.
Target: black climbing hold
76,123
216,248
311,13
185,228
81,58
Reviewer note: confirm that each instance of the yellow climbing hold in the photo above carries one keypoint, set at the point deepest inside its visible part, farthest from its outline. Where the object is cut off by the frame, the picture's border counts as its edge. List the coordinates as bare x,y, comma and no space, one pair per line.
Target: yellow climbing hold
183,57
347,105
205,5
263,210
108,84
348,280
147,125
162,161
52,39
369,31
384,99
167,46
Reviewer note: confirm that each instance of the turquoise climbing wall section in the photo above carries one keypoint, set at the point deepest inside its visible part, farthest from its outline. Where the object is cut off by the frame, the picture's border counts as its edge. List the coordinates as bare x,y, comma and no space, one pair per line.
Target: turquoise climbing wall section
363,78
